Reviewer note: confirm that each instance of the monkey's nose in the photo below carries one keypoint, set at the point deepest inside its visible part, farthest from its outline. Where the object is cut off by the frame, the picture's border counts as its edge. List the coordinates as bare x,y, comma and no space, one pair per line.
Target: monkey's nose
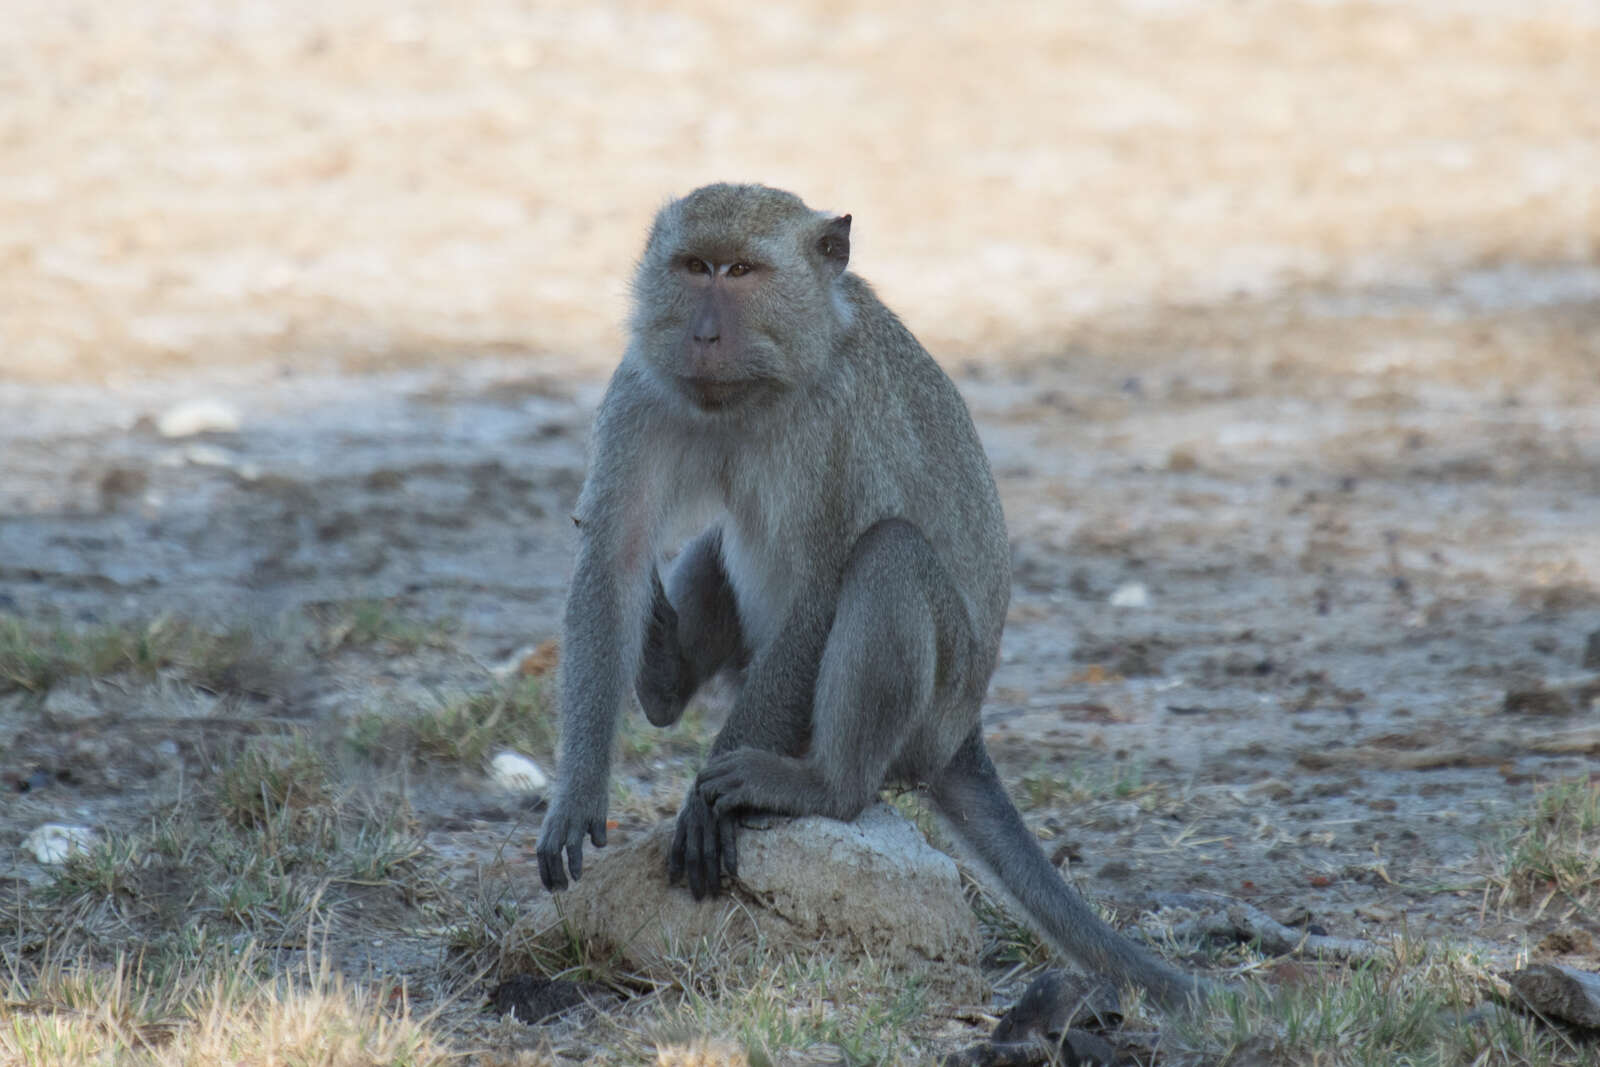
701,339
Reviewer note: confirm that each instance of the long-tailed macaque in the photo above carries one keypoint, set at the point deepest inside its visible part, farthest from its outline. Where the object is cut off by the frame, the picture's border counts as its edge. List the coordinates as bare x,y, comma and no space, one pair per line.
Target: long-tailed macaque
855,572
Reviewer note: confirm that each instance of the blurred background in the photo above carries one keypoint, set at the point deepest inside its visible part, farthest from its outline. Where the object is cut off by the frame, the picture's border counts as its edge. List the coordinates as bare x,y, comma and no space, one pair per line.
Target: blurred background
365,183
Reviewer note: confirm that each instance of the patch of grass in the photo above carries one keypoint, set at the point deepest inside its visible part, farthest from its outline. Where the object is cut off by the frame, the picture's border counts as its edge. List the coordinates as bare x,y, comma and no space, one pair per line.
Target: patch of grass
215,1005
1556,849
368,622
101,870
271,781
1082,783
28,660
1421,1007
855,1012
478,936
270,850
494,934
250,661
1007,941
466,730
35,658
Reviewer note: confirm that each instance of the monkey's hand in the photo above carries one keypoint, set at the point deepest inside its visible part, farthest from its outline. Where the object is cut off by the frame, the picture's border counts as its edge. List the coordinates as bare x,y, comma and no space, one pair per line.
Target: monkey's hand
563,831
703,848
755,780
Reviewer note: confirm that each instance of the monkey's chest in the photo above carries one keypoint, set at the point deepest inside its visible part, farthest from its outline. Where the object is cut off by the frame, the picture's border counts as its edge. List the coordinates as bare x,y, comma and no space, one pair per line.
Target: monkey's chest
764,582
769,532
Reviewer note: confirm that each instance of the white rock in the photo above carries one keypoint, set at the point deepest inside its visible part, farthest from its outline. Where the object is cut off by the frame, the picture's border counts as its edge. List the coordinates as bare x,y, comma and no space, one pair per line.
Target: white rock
870,888
198,416
68,702
53,842
518,773
207,456
511,666
1130,595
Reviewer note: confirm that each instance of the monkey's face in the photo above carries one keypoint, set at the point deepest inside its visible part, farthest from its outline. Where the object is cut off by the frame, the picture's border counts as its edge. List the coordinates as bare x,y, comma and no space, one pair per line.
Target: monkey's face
718,363
733,302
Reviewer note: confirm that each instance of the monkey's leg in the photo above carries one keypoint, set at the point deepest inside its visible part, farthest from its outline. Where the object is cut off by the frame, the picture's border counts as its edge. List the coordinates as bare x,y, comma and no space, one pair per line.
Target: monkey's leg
691,630
898,632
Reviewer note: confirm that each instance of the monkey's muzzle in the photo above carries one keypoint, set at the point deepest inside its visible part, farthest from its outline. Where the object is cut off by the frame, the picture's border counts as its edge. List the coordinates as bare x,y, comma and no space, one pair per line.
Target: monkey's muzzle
718,394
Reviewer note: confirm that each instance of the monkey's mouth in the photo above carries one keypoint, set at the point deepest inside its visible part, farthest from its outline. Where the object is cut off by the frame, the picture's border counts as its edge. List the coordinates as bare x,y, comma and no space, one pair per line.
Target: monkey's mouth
719,394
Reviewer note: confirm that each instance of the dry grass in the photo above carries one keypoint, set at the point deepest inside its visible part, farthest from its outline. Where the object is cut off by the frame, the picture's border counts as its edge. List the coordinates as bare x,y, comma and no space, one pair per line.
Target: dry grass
366,622
1553,857
187,941
236,660
465,730
203,937
220,1006
1421,1006
269,851
856,1012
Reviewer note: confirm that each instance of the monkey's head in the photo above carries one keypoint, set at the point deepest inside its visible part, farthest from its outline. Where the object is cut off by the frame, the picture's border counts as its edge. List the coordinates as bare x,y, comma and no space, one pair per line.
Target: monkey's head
737,298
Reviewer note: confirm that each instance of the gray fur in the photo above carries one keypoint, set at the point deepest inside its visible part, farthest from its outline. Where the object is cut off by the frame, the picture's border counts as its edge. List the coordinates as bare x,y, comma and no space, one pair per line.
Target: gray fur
858,570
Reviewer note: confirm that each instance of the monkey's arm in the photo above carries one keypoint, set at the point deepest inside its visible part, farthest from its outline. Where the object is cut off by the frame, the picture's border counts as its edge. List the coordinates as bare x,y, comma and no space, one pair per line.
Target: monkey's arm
773,714
590,698
602,634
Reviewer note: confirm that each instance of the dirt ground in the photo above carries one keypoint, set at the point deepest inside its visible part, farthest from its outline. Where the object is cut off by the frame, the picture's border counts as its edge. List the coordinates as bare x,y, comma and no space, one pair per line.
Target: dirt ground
1281,324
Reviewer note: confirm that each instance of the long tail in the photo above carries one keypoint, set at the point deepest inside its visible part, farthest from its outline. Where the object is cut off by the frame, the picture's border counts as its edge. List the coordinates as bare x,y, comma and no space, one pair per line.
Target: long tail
974,803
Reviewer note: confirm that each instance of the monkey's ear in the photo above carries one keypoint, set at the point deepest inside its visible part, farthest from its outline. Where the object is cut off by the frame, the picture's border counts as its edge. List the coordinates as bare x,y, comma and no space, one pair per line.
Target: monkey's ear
834,244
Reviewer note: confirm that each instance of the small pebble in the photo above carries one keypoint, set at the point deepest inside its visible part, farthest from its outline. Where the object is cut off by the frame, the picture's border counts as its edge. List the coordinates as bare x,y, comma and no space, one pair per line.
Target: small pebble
197,417
518,773
53,842
1130,595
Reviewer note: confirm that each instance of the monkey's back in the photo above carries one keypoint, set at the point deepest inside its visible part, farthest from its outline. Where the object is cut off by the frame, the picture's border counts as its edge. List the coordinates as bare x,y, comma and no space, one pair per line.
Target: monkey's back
919,451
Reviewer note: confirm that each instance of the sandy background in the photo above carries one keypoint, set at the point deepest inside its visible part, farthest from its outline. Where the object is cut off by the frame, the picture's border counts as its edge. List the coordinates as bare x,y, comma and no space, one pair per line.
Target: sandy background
365,183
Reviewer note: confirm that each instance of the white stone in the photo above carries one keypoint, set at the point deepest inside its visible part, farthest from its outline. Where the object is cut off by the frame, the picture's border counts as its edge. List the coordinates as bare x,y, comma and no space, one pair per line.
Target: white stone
1130,595
196,417
207,456
53,842
518,773
68,702
873,888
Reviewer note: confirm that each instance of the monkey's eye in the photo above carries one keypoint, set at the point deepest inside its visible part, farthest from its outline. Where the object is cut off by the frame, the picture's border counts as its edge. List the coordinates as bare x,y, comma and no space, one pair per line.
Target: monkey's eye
739,270
696,265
